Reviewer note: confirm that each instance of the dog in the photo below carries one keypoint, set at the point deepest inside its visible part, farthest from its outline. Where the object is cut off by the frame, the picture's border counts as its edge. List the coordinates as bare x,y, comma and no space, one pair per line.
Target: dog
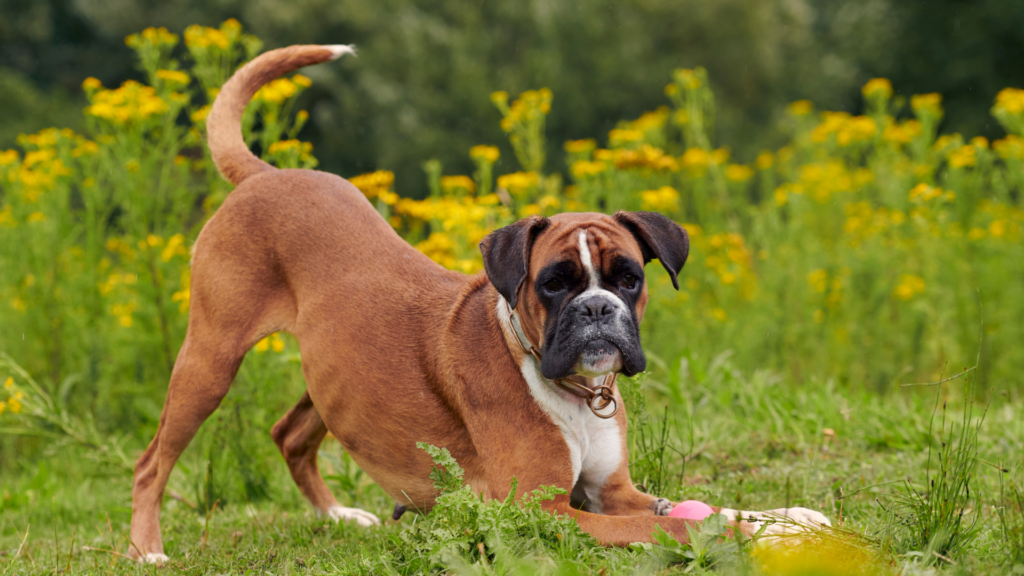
511,370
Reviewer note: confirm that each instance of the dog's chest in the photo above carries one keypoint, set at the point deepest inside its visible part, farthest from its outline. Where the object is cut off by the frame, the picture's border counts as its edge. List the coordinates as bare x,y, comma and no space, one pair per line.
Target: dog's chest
595,444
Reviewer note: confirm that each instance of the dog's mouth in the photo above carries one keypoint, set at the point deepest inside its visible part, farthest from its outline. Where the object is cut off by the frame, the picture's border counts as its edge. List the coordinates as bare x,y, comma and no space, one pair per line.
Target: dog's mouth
598,357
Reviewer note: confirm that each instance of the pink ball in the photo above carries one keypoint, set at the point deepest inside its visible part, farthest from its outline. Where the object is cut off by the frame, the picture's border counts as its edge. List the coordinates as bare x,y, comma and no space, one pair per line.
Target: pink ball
691,510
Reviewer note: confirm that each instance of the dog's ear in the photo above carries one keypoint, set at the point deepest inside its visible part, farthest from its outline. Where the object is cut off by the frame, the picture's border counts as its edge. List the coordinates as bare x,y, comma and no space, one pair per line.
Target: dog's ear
507,255
659,238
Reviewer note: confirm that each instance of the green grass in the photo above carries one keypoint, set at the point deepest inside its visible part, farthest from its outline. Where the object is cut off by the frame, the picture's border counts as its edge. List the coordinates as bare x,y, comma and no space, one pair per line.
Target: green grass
758,442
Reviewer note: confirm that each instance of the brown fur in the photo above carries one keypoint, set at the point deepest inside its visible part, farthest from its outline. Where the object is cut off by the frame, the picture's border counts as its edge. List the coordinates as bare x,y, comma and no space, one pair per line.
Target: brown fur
395,349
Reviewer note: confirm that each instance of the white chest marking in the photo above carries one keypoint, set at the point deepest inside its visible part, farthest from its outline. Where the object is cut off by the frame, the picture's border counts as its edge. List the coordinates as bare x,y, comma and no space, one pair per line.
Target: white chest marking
595,444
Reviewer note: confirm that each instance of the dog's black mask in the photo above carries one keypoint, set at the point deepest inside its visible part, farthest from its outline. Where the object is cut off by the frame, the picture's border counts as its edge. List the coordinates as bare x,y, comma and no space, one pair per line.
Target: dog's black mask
591,314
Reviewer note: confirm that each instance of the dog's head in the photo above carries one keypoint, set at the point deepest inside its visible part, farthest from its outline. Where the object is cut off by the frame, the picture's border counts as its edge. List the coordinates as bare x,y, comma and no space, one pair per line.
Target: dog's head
577,282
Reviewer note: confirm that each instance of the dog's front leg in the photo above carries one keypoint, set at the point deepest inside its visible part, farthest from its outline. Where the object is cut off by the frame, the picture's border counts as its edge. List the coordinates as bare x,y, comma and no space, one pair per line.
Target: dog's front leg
532,449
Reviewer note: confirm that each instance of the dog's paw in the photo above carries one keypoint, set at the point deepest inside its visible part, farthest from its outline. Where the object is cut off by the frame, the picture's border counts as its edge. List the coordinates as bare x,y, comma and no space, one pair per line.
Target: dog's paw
777,523
794,520
661,506
360,517
154,558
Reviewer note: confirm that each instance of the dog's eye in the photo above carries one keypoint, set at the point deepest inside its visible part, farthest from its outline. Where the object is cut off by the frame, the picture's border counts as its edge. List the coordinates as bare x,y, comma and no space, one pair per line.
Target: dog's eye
553,286
629,281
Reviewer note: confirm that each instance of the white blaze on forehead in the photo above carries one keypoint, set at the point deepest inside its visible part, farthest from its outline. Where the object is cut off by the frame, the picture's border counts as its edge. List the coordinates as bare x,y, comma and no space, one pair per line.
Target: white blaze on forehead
594,284
588,262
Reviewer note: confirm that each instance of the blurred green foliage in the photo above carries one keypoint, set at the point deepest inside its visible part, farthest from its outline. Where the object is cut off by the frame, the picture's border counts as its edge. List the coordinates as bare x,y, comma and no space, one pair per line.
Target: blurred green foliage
419,87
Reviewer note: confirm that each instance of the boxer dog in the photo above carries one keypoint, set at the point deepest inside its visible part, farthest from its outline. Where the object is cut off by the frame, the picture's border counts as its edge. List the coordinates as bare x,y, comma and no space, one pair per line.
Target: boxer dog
511,370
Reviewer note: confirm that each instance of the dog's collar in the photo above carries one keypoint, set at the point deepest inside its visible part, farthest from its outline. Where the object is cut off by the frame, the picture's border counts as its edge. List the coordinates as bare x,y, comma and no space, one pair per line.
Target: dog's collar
597,398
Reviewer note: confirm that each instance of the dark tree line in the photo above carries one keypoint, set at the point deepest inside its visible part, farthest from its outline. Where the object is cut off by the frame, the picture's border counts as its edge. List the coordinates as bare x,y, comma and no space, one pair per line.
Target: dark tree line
419,88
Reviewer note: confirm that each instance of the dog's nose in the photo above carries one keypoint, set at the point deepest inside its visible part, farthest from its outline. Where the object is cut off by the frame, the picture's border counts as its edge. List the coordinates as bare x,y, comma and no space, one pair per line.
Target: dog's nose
597,309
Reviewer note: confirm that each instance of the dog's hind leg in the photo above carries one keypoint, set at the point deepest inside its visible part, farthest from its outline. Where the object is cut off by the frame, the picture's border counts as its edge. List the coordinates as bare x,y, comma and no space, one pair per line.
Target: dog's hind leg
298,435
201,377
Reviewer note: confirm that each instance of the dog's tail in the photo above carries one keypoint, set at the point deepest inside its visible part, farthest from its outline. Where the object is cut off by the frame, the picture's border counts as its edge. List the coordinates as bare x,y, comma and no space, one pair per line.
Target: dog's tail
234,160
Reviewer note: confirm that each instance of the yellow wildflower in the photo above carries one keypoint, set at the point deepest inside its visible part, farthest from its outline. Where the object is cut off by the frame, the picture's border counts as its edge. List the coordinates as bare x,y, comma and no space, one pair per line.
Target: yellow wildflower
175,246
902,133
131,102
947,141
800,108
765,160
174,77
449,184
86,147
686,78
374,183
664,199
439,248
301,80
646,156
263,345
184,296
276,91
880,87
14,404
583,168
719,314
1010,147
831,122
997,229
818,280
619,137
276,343
123,312
928,103
923,192
499,97
485,153
549,202
36,217
580,146
738,172
695,159
201,114
231,26
909,287
9,383
963,157
201,37
91,83
857,129
1010,101
519,183
781,195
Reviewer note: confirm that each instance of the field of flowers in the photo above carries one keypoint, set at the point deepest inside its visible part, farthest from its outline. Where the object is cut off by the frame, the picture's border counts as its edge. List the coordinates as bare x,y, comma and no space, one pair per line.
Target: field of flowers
868,251
869,248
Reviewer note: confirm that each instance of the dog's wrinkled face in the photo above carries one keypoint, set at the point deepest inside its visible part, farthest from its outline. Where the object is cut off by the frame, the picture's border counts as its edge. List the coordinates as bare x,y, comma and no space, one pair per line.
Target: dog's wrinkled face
577,282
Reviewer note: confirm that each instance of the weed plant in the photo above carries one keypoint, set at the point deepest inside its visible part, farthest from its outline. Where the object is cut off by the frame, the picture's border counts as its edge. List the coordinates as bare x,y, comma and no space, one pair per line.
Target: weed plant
930,516
1011,520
